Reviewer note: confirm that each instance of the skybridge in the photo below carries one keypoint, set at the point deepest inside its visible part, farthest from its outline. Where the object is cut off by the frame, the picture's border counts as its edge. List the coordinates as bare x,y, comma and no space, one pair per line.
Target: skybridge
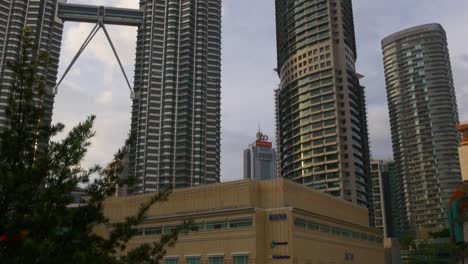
100,16
92,14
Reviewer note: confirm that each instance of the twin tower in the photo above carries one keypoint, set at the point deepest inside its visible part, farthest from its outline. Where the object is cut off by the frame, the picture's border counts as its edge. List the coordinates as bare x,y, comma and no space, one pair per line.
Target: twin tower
176,107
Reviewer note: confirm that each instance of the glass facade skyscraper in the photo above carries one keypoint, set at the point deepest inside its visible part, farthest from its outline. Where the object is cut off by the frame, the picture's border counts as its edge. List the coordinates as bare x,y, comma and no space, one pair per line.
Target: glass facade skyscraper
321,119
423,119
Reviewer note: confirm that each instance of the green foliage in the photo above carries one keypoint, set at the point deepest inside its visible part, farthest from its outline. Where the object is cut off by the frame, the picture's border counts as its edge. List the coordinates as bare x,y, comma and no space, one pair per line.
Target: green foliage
407,242
438,249
37,177
428,252
443,233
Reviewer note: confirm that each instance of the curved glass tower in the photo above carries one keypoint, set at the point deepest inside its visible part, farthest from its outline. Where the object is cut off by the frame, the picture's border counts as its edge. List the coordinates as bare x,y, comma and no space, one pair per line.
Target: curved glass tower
320,105
423,119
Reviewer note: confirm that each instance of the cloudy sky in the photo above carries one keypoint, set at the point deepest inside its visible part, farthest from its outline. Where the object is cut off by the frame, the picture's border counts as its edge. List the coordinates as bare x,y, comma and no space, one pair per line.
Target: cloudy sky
96,86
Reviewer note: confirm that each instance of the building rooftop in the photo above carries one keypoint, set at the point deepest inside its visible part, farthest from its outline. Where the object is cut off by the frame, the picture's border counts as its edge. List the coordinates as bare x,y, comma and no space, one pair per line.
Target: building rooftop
276,193
410,31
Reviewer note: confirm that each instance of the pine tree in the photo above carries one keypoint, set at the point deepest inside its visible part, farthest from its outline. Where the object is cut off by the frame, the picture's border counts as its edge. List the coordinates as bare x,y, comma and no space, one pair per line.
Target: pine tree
37,177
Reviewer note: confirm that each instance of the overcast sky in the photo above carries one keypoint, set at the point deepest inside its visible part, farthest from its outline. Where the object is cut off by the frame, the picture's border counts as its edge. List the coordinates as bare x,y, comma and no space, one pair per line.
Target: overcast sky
96,86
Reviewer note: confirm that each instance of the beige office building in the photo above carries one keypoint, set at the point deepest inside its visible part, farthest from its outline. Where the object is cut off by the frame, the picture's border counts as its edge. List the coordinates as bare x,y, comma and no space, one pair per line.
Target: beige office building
463,150
248,221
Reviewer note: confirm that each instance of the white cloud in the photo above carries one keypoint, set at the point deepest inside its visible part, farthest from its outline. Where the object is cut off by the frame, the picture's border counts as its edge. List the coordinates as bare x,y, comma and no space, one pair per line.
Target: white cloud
104,98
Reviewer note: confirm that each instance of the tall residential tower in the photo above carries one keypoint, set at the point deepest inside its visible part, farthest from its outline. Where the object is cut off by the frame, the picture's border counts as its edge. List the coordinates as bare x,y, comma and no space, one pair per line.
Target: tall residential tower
320,104
423,119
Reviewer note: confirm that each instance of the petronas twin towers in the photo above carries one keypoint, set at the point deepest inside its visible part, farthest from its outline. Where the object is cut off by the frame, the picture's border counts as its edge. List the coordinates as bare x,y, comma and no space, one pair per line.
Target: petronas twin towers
176,117
176,107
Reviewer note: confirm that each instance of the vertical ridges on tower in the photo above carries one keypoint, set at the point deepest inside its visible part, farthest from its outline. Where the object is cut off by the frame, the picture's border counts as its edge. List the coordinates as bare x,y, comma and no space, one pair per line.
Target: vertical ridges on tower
40,16
176,118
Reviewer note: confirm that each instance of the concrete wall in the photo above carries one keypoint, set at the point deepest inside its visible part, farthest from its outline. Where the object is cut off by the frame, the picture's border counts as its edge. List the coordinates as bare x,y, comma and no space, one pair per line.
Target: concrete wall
463,152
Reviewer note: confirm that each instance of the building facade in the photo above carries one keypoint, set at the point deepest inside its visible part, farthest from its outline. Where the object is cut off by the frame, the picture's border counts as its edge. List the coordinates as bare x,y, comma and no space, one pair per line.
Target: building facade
260,159
463,150
384,211
423,119
39,16
176,115
271,221
320,105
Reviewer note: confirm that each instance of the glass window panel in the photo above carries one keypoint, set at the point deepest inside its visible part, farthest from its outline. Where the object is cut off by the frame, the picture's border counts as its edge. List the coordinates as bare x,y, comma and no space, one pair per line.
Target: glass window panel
216,260
325,228
168,229
241,259
247,222
172,261
193,260
197,227
312,226
300,223
216,225
153,231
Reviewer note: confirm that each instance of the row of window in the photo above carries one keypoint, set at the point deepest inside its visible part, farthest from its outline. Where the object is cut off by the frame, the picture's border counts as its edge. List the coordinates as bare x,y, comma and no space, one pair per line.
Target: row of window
304,224
211,260
197,226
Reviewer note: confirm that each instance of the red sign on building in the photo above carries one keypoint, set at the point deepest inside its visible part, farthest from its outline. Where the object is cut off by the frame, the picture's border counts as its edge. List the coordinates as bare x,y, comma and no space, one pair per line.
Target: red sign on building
262,141
265,144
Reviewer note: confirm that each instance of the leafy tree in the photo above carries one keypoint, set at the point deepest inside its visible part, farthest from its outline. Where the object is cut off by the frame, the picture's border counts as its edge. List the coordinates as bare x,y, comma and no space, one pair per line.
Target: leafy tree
443,233
436,250
431,252
37,177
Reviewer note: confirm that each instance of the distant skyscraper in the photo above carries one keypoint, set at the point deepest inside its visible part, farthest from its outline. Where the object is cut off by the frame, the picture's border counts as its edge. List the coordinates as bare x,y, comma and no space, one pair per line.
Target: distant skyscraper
320,105
39,15
423,119
384,197
260,159
176,117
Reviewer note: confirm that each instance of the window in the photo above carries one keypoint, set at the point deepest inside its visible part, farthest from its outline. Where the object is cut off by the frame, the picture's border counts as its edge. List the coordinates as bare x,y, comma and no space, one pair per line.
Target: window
216,225
153,231
172,261
300,223
193,260
241,260
168,229
247,222
197,227
215,260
